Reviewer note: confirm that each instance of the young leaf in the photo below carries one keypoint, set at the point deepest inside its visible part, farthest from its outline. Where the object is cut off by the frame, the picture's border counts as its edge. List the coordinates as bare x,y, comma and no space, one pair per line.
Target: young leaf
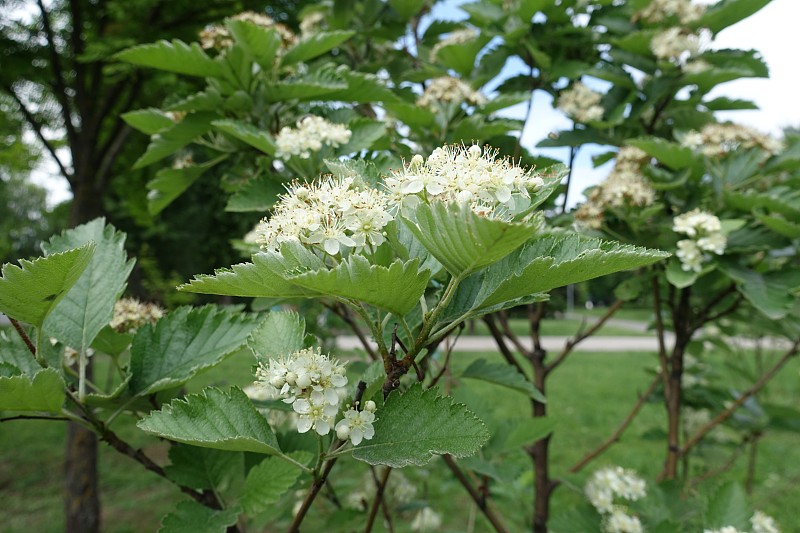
14,352
727,13
203,468
771,294
213,419
192,517
89,304
414,426
31,291
463,241
260,43
257,194
502,374
279,334
396,289
175,56
183,343
673,155
42,392
148,121
679,277
315,45
268,481
728,507
169,183
247,133
169,141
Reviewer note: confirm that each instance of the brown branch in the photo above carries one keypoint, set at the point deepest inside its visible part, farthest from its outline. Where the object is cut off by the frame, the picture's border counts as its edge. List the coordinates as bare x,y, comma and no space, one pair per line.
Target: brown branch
25,338
343,312
724,467
503,317
535,318
32,417
757,386
706,311
615,436
447,355
483,503
581,336
662,349
380,486
501,344
728,310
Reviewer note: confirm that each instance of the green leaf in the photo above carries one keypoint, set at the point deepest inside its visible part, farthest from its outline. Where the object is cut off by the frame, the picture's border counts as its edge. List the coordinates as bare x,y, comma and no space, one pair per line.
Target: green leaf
727,13
363,88
193,517
43,392
679,277
259,194
772,293
214,419
167,142
461,240
673,155
169,183
305,89
247,133
504,375
31,291
14,352
89,305
414,426
175,56
183,343
364,133
203,468
529,431
396,289
110,342
260,43
406,8
149,121
268,481
315,45
582,518
728,507
279,334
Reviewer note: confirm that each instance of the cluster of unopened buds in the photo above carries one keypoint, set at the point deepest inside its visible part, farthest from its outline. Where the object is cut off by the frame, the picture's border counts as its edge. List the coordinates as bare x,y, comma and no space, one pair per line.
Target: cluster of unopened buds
448,89
462,36
581,103
676,44
685,11
310,135
718,139
612,483
130,314
219,38
705,232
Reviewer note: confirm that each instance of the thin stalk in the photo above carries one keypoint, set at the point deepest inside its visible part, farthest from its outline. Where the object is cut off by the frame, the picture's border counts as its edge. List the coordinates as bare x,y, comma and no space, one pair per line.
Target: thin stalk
380,486
483,503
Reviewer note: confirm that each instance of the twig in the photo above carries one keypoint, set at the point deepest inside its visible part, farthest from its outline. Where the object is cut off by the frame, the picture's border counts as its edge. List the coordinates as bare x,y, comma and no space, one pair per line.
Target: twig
344,313
33,417
662,349
581,336
724,467
447,354
25,337
615,436
380,486
501,344
503,317
483,504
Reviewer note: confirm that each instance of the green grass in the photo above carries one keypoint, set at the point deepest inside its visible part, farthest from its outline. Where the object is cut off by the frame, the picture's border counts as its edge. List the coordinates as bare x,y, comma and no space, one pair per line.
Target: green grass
589,395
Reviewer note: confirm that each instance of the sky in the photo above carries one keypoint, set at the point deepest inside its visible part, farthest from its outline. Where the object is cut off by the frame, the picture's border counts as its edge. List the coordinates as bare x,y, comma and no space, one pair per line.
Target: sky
772,31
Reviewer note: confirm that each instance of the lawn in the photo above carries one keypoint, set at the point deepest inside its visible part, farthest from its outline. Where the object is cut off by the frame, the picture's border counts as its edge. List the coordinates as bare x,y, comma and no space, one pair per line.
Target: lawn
589,395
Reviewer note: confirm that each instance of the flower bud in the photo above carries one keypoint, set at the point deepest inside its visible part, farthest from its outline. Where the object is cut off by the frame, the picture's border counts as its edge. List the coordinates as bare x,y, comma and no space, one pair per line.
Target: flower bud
291,378
343,431
370,406
303,381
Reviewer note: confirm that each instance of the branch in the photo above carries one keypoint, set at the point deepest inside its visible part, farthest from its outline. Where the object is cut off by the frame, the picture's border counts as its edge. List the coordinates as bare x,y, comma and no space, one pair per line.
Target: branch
535,318
510,334
343,312
724,467
662,349
483,504
501,344
380,486
25,338
581,336
757,386
33,417
449,351
591,456
728,310
702,316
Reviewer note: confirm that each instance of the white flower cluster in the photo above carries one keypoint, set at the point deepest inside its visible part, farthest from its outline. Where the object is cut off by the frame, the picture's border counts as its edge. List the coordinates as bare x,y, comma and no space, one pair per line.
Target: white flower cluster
310,135
716,139
615,482
327,214
658,10
581,103
398,492
761,522
426,520
457,174
312,23
675,44
219,38
461,36
357,425
448,89
625,186
130,314
706,235
309,380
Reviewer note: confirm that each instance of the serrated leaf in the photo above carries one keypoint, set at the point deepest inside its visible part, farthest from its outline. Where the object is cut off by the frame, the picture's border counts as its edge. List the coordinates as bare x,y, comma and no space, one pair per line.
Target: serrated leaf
504,375
268,481
315,45
203,468
247,133
771,294
362,88
529,431
169,183
258,42
31,291
304,90
396,288
679,277
43,392
166,142
673,155
364,133
183,343
111,342
728,507
214,419
258,194
406,8
14,352
89,305
727,13
149,121
193,517
175,56
417,424
462,241
279,334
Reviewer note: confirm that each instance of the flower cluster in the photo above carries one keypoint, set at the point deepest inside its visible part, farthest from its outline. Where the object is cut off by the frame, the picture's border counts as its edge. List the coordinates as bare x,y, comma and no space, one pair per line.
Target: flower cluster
310,135
624,187
615,482
457,174
675,44
426,520
705,232
716,140
659,10
312,23
447,89
309,380
357,425
130,314
461,36
399,492
219,38
581,103
327,214
762,523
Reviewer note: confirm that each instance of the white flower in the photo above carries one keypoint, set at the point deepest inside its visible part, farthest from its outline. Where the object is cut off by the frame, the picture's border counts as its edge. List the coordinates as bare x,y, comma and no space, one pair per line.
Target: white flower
310,135
717,140
763,523
726,529
356,426
619,521
608,483
130,314
426,520
675,44
706,235
690,255
581,103
658,10
317,415
449,89
462,36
